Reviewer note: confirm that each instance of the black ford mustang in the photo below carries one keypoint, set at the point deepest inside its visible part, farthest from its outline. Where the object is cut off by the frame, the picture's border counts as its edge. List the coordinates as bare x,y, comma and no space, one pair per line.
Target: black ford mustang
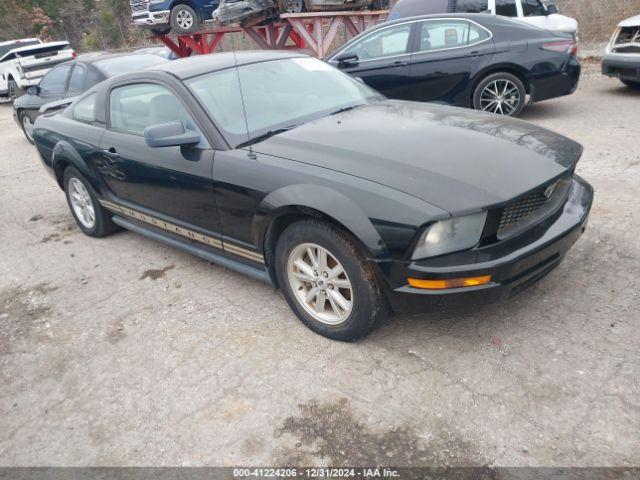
290,171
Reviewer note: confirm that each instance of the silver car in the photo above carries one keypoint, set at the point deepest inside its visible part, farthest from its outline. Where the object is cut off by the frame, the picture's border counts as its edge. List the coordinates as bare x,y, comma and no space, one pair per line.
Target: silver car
622,55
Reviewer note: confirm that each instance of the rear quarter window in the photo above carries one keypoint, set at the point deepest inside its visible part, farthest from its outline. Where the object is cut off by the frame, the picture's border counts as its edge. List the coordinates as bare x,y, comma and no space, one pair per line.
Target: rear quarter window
85,110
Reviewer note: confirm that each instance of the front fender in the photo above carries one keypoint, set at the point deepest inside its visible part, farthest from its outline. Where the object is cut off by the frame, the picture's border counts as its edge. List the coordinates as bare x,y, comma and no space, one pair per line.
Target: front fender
333,204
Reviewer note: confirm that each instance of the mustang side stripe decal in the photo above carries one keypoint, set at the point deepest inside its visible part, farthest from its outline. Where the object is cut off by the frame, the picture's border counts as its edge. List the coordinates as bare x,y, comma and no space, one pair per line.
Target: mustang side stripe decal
184,232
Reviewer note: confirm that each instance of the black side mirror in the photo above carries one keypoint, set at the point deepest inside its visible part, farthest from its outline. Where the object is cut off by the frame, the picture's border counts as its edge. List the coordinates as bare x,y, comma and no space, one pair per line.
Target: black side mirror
552,9
347,60
172,134
34,90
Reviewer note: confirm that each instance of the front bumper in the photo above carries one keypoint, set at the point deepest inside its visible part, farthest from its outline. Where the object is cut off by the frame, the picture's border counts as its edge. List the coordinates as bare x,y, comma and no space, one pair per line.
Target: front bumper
513,265
624,66
149,19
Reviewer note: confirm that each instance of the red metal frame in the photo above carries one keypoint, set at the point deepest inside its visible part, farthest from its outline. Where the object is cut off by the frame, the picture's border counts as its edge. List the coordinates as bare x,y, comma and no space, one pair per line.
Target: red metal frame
309,31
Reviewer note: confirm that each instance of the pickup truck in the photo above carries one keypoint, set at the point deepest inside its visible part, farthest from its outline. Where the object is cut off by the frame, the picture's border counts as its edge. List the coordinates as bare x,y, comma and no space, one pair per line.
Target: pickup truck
24,62
180,16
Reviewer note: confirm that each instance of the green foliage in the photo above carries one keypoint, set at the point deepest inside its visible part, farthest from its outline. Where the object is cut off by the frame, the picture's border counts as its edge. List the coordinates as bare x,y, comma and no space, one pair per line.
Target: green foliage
87,24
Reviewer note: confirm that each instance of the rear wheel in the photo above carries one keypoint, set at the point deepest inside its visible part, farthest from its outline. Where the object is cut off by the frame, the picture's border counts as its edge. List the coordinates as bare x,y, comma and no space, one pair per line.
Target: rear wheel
184,19
501,93
27,125
291,6
92,219
631,84
14,90
327,281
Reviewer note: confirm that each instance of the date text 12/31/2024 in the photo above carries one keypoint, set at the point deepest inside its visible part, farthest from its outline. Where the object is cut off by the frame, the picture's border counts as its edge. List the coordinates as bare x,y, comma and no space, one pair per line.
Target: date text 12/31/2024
313,473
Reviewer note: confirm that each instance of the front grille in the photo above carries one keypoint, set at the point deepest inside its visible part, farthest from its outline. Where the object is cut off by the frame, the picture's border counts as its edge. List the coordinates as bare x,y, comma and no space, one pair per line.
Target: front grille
533,207
628,49
139,5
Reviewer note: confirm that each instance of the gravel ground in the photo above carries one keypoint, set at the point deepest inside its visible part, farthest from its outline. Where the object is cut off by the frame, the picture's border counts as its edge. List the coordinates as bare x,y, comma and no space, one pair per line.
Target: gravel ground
122,351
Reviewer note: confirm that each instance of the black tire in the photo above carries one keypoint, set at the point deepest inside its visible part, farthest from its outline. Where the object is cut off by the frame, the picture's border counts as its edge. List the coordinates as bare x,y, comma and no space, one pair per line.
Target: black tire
179,20
23,117
103,224
369,305
291,6
631,84
161,31
14,90
479,102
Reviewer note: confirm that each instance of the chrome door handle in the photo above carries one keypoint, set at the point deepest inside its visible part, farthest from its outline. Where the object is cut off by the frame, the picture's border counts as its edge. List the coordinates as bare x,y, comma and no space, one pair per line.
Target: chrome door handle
111,153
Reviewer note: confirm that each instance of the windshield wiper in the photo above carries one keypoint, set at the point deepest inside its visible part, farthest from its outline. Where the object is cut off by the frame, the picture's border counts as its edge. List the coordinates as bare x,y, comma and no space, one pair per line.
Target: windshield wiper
345,109
266,135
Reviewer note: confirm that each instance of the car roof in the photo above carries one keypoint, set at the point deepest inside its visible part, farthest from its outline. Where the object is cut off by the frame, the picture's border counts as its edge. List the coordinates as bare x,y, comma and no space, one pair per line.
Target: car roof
99,56
201,64
481,18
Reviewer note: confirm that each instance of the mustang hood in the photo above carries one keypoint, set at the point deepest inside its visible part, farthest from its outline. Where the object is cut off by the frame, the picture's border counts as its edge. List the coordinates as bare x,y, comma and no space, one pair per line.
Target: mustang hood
453,158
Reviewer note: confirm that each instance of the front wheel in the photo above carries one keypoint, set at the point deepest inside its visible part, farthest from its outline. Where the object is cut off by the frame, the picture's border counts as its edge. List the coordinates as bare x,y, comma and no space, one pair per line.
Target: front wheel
500,93
92,219
27,126
327,281
631,84
184,20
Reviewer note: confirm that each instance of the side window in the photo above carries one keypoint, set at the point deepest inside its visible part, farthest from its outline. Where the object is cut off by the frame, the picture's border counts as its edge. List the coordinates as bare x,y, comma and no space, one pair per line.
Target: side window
77,80
55,81
93,77
472,6
506,8
443,34
133,108
85,109
533,8
387,42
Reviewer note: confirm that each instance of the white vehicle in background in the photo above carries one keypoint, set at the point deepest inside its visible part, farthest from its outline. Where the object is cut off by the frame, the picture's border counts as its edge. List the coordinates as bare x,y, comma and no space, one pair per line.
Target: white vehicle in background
622,55
533,12
24,62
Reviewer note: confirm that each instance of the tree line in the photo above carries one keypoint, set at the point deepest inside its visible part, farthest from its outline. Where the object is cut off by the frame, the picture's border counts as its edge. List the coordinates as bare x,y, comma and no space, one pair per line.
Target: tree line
89,25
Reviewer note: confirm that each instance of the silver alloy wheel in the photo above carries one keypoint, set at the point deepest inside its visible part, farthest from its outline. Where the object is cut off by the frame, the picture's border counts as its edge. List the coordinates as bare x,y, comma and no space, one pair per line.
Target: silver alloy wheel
500,96
81,203
320,284
27,124
184,19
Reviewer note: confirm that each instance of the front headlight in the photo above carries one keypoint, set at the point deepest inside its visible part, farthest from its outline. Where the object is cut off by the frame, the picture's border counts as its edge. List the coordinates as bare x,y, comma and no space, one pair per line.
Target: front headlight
452,235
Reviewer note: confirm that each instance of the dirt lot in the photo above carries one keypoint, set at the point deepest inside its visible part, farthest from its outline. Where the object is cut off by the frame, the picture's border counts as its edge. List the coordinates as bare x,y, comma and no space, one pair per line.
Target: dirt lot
122,351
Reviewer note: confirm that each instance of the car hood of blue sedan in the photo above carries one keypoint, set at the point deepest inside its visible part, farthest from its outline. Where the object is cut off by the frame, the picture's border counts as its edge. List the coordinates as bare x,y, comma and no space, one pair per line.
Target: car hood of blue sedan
456,159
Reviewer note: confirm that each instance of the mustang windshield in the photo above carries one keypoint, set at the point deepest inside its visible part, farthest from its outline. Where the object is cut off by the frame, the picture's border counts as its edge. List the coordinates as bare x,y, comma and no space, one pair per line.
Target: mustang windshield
277,95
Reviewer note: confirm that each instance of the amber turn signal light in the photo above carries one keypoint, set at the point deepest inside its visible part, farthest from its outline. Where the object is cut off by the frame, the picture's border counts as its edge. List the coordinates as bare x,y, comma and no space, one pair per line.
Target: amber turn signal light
449,283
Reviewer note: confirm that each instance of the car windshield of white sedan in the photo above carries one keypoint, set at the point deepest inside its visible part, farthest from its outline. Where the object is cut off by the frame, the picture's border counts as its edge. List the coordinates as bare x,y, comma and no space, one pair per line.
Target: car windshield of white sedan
277,94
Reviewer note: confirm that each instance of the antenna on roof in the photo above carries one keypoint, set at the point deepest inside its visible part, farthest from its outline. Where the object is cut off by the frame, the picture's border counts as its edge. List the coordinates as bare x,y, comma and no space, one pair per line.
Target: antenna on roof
244,107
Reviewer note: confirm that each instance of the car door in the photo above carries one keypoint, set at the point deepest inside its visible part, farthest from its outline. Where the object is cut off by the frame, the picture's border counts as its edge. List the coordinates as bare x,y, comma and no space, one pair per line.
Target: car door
507,8
381,60
448,53
172,183
535,13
